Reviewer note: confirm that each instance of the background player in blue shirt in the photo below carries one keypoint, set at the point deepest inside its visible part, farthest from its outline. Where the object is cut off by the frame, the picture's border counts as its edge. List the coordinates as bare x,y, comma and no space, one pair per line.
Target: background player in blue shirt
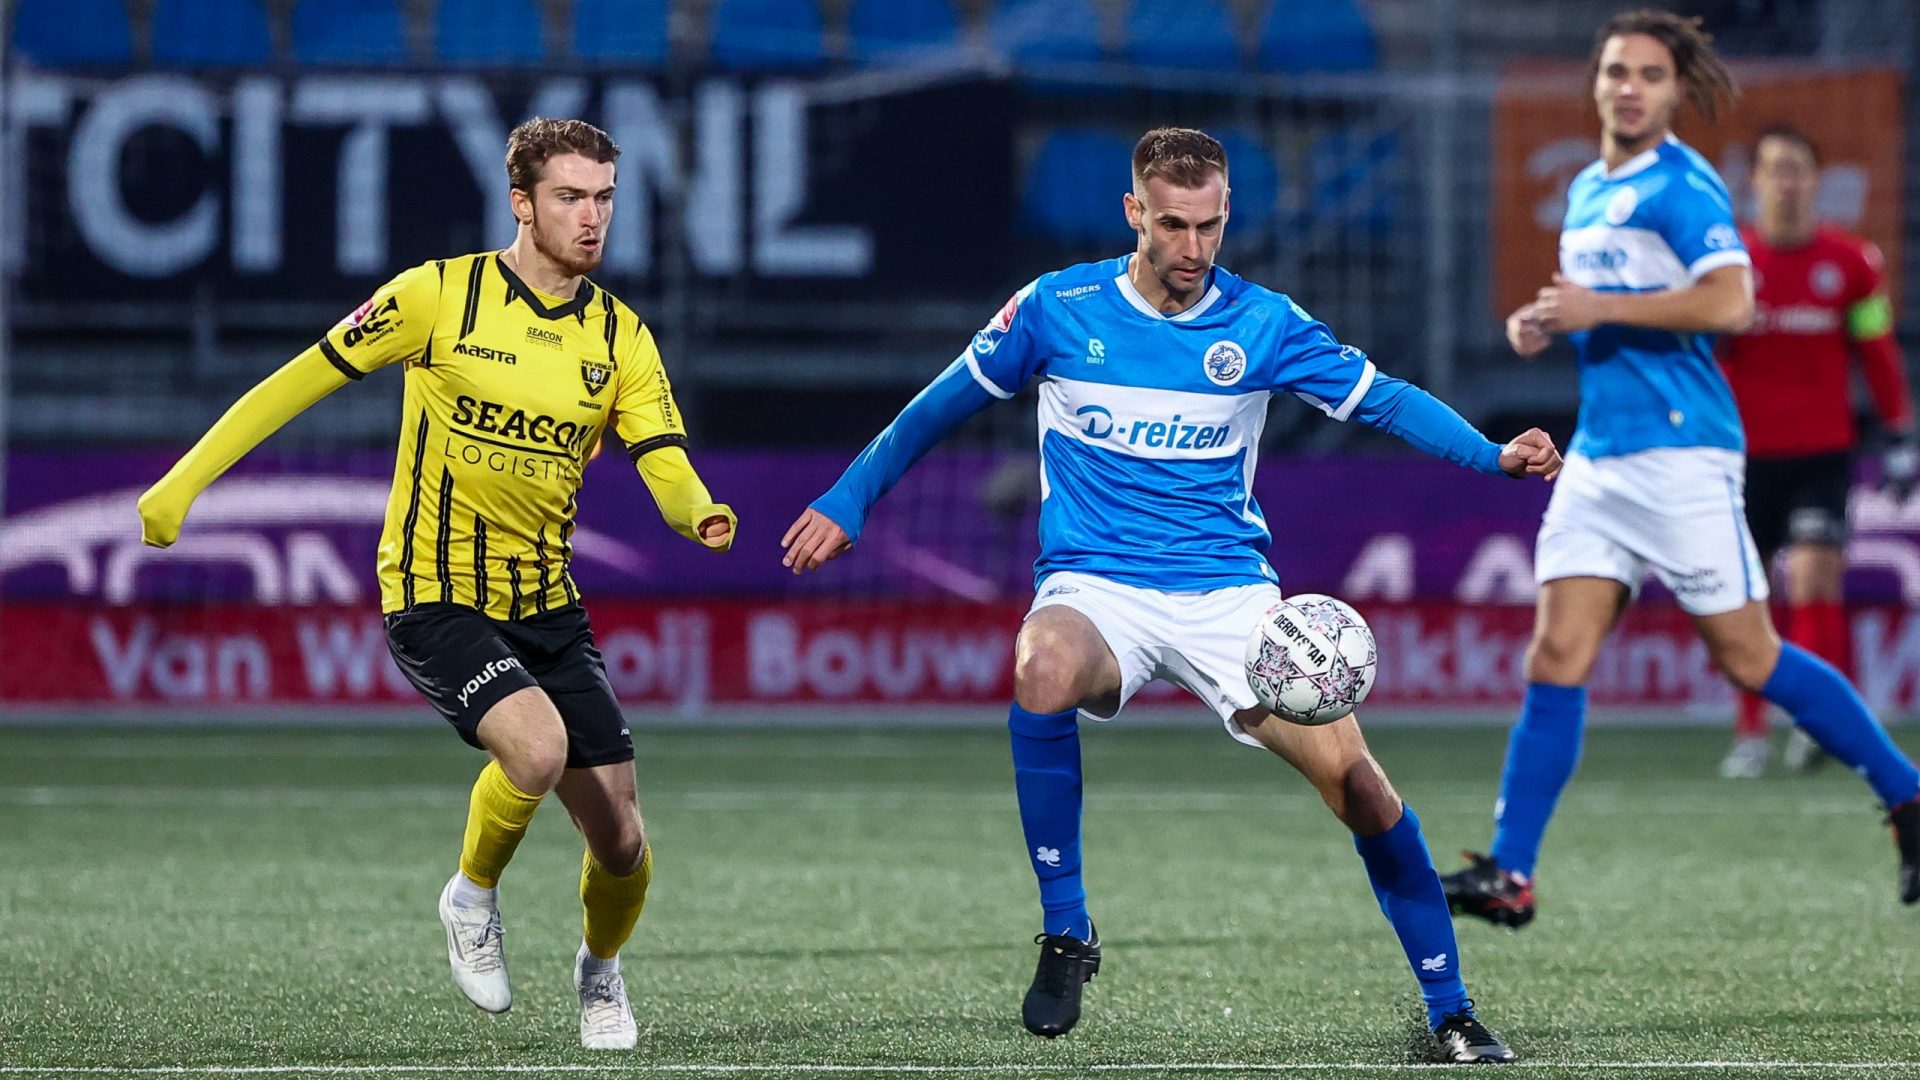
1155,371
1651,267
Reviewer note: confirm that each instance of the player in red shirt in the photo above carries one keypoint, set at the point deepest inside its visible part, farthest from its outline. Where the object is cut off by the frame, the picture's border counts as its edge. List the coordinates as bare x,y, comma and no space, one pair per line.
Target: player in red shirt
1819,304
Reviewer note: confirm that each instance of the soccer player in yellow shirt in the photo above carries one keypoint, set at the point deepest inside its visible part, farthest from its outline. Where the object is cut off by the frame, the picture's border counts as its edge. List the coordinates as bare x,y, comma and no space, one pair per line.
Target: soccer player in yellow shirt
515,364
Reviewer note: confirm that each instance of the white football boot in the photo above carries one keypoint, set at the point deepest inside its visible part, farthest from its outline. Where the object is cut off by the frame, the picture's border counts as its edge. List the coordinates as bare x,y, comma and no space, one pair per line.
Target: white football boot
477,951
606,1020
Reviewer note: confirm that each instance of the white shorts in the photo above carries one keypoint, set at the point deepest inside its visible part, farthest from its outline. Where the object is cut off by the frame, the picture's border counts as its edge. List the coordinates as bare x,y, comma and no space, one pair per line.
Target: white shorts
1195,640
1679,512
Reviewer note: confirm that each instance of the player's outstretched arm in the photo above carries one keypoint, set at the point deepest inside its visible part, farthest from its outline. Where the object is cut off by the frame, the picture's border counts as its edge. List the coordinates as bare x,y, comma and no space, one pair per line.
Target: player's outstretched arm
1430,425
812,541
393,325
1720,302
262,411
832,524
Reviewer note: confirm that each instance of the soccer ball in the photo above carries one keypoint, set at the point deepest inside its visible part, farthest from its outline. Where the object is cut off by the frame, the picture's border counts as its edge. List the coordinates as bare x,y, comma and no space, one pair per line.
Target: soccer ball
1311,660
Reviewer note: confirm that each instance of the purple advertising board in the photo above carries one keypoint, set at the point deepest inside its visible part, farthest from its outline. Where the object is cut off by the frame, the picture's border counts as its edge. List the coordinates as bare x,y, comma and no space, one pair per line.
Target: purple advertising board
302,529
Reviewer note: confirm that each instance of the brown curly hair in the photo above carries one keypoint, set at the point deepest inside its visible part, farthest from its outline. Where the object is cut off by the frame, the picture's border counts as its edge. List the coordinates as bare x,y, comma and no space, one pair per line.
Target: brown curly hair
531,144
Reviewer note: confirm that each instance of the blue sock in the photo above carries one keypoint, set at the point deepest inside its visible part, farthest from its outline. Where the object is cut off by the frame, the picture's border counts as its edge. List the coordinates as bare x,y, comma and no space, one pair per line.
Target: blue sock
1829,710
1404,882
1542,753
1046,773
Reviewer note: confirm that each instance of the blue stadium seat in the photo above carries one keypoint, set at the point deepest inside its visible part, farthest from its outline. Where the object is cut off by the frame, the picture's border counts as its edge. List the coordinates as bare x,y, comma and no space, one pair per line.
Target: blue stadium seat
784,35
1353,185
622,31
488,32
349,32
1182,34
211,33
56,33
1074,186
1047,31
1317,35
1254,178
892,30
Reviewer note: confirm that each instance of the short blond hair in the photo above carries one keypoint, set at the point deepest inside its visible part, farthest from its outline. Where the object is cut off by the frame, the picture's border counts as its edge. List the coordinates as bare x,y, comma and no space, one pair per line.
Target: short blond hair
1183,157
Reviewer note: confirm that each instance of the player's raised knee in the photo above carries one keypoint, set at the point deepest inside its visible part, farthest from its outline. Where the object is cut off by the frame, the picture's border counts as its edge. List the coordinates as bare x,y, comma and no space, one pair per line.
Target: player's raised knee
1050,667
1046,682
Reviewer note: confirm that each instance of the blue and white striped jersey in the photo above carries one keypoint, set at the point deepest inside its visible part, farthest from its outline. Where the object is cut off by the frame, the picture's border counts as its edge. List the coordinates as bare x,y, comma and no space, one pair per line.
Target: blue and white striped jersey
1150,424
1659,221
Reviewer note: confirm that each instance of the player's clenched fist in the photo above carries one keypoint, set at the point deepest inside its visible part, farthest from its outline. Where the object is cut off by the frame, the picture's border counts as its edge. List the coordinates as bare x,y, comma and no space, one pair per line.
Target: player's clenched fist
1524,333
160,518
1531,453
812,540
717,526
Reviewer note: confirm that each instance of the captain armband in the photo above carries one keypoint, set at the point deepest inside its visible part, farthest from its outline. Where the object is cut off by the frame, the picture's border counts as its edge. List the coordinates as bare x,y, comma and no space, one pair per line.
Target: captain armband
1870,318
658,442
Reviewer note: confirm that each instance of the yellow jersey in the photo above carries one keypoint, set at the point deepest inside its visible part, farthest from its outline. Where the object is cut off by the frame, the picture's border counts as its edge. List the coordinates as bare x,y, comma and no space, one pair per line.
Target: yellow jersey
507,392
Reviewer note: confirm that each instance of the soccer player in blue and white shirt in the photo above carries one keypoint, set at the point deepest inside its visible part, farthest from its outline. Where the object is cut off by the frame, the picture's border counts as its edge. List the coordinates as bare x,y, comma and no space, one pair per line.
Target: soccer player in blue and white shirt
1154,373
1651,267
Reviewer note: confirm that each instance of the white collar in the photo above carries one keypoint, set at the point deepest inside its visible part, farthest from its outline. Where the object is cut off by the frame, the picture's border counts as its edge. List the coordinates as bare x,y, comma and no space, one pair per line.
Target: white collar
1638,163
1125,284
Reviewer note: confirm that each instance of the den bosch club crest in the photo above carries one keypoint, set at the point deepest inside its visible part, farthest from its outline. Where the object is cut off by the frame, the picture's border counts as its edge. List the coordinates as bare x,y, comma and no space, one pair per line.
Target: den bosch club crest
1225,362
595,374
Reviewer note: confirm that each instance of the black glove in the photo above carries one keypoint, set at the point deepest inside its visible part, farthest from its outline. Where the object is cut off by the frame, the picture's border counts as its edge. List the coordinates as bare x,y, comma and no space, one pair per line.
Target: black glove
1900,466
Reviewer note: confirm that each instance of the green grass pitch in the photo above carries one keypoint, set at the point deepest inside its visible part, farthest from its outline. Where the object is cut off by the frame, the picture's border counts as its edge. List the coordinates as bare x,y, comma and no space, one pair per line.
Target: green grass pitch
228,898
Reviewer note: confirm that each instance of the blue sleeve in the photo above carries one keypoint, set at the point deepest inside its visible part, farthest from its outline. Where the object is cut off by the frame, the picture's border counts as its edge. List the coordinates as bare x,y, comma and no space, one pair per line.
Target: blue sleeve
1002,355
933,413
1696,220
1312,365
1426,423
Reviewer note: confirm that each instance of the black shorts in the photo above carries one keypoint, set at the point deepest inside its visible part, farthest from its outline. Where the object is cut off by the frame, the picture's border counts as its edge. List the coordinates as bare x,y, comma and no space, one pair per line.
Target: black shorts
1798,500
464,662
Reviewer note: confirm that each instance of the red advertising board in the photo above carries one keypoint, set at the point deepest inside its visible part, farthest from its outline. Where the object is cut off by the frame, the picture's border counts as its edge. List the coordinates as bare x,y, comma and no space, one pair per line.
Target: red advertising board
685,656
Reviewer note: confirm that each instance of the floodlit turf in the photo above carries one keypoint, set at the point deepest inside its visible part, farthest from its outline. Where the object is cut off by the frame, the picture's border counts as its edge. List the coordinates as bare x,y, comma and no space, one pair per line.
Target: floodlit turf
223,897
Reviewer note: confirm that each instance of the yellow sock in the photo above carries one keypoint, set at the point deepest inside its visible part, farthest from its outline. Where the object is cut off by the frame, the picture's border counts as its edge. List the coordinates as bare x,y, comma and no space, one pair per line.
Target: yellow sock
612,903
497,818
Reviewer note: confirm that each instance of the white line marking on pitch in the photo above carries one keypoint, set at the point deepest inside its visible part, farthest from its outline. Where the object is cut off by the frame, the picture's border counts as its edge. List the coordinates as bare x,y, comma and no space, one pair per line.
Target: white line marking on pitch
921,1070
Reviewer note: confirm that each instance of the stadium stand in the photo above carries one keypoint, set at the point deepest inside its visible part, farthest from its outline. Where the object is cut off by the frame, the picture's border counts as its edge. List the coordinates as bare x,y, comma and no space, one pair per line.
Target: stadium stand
488,32
1254,178
1352,178
768,34
622,31
211,33
1182,34
1062,198
349,32
1047,31
63,33
1317,35
881,31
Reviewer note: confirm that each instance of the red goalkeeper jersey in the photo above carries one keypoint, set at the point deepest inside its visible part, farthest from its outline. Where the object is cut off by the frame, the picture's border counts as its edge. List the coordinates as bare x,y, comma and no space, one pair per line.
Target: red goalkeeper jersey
1816,307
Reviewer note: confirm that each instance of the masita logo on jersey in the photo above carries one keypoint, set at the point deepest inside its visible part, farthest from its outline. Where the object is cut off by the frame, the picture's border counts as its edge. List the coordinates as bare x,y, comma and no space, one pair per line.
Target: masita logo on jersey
1224,363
